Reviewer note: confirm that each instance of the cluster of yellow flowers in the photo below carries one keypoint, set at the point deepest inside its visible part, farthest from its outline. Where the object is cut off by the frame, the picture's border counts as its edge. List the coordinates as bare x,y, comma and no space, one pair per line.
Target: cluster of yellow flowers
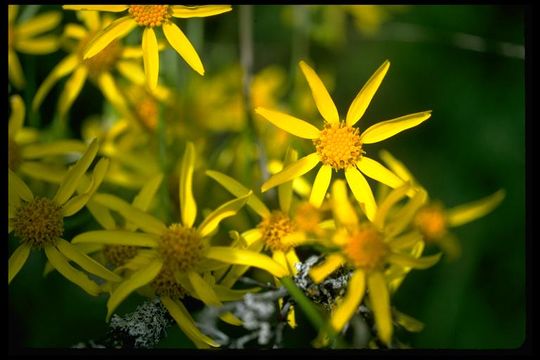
178,250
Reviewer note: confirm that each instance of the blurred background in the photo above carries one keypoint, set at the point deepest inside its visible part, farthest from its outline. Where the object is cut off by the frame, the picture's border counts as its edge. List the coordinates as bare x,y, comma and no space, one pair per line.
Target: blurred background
463,62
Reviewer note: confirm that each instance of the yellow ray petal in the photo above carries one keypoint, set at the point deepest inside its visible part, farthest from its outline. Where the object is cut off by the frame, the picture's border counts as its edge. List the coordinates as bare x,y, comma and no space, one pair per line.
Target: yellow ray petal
39,46
389,201
16,260
16,118
71,90
84,261
320,186
405,241
396,166
465,213
64,67
41,171
77,277
332,262
408,261
188,206
279,257
451,246
15,73
239,190
251,236
144,221
203,290
39,24
385,129
13,10
59,147
324,102
294,170
116,30
146,194
285,190
378,172
90,19
132,71
361,191
230,208
15,183
110,90
112,8
143,258
75,31
187,324
342,208
226,294
295,239
75,173
245,257
180,11
138,279
380,300
348,306
361,101
117,237
402,218
289,123
102,215
150,57
409,323
183,46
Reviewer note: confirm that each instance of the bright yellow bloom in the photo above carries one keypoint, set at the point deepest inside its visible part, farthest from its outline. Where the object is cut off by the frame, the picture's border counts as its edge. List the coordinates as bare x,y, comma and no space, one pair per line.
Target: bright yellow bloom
371,249
339,145
433,220
24,150
38,223
24,37
149,17
177,258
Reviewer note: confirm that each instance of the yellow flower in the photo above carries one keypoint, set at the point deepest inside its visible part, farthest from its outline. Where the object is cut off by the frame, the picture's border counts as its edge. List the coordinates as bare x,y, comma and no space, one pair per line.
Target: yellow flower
338,145
176,255
433,220
99,69
38,223
371,249
24,150
24,37
148,17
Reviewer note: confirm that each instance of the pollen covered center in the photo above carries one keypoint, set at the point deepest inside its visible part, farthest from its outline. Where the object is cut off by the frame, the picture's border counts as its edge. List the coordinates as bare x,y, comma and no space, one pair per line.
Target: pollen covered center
274,228
430,221
165,284
119,255
14,154
150,15
38,223
339,145
181,248
365,248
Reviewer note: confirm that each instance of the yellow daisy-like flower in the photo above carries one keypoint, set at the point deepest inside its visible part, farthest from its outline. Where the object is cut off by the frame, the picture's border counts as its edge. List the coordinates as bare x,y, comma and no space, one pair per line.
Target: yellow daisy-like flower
178,254
38,223
339,145
24,150
98,69
149,17
434,220
370,249
25,38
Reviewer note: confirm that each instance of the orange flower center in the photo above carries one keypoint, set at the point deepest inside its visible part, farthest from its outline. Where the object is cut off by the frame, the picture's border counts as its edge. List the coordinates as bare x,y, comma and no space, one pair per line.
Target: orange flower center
339,145
147,112
430,221
119,255
150,15
14,154
181,247
307,218
38,223
365,248
274,228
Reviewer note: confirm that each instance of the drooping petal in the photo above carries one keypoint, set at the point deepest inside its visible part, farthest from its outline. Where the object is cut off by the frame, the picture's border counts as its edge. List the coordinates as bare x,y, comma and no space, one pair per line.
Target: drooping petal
117,237
380,300
111,8
39,46
150,56
16,118
77,277
230,208
17,260
396,166
331,263
361,191
294,170
389,201
320,186
322,98
408,261
64,67
39,24
19,186
187,324
188,206
15,72
342,208
465,213
239,190
73,176
402,218
71,90
361,101
385,129
245,257
289,123
116,30
378,172
59,147
84,261
203,290
138,279
347,307
180,11
183,46
76,203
